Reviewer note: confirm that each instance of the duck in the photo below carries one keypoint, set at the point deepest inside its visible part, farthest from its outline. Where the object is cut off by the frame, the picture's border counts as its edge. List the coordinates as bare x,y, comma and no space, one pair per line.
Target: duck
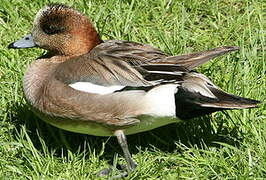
87,85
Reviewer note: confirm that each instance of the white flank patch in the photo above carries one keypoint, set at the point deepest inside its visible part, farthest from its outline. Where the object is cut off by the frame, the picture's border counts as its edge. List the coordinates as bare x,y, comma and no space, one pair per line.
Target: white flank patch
94,88
161,100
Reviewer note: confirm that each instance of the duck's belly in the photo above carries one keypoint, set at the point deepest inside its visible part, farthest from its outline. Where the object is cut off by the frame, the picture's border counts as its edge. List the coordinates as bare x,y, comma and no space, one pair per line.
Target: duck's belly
150,122
92,128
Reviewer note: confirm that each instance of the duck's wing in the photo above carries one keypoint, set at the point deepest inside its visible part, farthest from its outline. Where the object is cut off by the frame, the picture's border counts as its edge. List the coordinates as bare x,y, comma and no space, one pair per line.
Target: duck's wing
131,52
138,54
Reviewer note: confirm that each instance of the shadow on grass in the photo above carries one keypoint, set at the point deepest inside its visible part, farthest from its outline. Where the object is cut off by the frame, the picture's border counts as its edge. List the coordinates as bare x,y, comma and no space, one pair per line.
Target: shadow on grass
197,132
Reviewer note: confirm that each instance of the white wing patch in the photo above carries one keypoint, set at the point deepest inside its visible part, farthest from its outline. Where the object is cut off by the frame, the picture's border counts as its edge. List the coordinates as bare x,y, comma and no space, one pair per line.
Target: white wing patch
94,88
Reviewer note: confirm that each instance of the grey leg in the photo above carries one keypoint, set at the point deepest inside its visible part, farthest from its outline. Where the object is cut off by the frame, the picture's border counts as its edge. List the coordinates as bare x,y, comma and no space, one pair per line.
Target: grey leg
131,165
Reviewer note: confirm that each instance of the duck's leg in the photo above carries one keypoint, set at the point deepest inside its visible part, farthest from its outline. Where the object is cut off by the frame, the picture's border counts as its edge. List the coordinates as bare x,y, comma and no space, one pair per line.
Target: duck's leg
131,165
121,138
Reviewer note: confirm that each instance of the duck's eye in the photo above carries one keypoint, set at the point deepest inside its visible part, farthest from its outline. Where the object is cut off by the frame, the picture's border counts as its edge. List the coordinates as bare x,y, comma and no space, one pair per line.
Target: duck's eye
52,29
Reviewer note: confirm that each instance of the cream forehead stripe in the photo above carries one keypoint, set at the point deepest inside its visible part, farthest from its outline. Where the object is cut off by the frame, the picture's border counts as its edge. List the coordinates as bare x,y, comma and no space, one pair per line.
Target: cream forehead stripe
51,8
40,14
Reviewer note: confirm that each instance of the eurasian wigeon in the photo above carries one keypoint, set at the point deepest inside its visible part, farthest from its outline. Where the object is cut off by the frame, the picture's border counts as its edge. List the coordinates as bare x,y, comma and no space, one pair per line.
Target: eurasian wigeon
114,87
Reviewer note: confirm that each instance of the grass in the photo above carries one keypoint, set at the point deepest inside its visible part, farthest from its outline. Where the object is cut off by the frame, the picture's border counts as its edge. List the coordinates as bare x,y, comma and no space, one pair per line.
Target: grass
225,145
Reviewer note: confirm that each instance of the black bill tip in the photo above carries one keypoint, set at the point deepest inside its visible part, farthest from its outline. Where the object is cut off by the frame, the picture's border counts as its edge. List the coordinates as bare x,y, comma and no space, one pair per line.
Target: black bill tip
11,46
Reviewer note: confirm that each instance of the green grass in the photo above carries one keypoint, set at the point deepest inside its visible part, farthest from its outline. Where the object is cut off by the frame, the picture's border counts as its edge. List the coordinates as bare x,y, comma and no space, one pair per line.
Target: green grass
225,145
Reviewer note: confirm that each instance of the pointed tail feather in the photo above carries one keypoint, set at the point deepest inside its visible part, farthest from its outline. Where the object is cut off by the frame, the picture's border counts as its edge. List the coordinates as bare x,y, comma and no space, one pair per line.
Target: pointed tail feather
230,101
190,105
193,60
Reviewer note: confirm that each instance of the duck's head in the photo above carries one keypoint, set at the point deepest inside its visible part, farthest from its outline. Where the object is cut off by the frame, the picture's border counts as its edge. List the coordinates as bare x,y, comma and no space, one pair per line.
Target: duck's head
60,30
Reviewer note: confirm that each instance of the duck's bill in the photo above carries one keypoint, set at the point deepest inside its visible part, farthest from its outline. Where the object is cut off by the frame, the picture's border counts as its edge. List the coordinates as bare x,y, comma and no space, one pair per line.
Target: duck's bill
25,42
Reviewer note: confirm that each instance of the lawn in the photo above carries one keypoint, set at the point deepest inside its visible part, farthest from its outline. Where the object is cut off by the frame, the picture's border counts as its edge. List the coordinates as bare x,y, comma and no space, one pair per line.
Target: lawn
224,145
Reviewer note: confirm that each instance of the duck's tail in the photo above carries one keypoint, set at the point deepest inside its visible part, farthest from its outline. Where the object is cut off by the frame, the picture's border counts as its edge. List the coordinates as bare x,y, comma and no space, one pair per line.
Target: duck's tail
191,104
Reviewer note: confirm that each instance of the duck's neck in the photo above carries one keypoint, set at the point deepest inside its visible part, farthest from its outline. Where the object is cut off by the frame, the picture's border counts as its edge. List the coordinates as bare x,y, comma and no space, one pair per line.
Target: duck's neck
36,77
